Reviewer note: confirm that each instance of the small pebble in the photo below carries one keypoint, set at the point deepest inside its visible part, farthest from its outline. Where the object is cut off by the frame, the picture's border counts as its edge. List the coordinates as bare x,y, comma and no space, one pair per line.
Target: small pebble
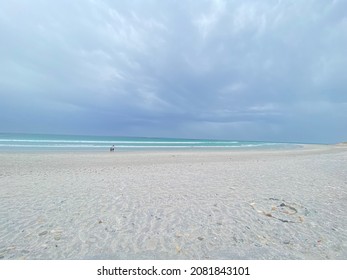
178,249
57,233
43,233
200,238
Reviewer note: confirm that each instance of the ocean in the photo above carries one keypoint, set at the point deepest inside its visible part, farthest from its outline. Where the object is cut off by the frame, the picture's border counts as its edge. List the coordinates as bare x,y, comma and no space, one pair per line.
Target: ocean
46,142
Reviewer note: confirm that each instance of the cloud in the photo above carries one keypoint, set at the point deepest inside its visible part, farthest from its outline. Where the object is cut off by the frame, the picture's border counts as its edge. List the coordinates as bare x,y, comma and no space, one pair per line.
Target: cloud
206,21
231,69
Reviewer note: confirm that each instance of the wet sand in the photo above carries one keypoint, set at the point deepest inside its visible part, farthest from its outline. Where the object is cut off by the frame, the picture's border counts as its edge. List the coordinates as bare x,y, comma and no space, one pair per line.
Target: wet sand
285,204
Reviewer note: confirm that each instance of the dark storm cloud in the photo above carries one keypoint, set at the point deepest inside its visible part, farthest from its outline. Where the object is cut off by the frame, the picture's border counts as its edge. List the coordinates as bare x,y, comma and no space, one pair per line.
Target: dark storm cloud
271,70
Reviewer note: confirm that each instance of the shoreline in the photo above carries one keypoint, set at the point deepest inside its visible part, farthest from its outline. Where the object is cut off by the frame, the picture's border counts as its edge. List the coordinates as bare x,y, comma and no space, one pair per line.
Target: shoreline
35,142
245,204
280,147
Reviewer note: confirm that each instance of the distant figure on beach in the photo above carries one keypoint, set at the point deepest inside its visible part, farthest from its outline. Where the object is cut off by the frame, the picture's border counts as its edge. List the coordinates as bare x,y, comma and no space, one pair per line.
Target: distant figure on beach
112,148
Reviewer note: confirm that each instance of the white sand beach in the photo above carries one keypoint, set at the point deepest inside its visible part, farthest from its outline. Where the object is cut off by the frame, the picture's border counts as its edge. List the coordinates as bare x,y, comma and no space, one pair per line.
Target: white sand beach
270,204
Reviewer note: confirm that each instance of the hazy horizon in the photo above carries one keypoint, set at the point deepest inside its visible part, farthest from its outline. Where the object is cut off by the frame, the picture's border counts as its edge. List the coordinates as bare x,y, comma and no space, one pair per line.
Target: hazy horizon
154,137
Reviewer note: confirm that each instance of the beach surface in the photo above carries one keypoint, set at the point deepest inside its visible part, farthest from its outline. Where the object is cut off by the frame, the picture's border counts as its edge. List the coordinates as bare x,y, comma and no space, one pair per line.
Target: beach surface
235,204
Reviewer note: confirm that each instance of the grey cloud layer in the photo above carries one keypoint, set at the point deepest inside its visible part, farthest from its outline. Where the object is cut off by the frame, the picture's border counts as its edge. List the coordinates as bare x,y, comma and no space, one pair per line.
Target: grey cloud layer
272,70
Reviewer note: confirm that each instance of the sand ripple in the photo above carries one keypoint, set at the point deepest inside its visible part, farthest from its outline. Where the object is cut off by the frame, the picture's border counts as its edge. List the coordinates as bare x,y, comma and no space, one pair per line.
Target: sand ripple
191,206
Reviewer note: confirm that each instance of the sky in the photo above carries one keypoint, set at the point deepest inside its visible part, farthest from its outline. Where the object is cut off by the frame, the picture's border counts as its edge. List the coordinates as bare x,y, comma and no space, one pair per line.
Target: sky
267,70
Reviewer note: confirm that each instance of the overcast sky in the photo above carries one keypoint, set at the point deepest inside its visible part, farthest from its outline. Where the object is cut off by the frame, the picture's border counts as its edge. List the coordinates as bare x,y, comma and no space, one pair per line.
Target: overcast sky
246,70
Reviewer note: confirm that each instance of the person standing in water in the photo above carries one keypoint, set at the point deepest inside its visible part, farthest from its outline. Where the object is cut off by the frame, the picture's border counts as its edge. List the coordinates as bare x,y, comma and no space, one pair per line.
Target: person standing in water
112,148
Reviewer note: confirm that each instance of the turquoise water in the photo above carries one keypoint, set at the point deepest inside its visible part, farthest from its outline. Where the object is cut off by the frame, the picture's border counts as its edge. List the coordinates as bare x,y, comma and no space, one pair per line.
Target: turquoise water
20,142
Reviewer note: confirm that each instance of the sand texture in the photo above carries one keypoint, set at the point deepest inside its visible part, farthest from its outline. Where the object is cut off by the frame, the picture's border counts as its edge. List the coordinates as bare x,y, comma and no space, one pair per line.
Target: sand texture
286,204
